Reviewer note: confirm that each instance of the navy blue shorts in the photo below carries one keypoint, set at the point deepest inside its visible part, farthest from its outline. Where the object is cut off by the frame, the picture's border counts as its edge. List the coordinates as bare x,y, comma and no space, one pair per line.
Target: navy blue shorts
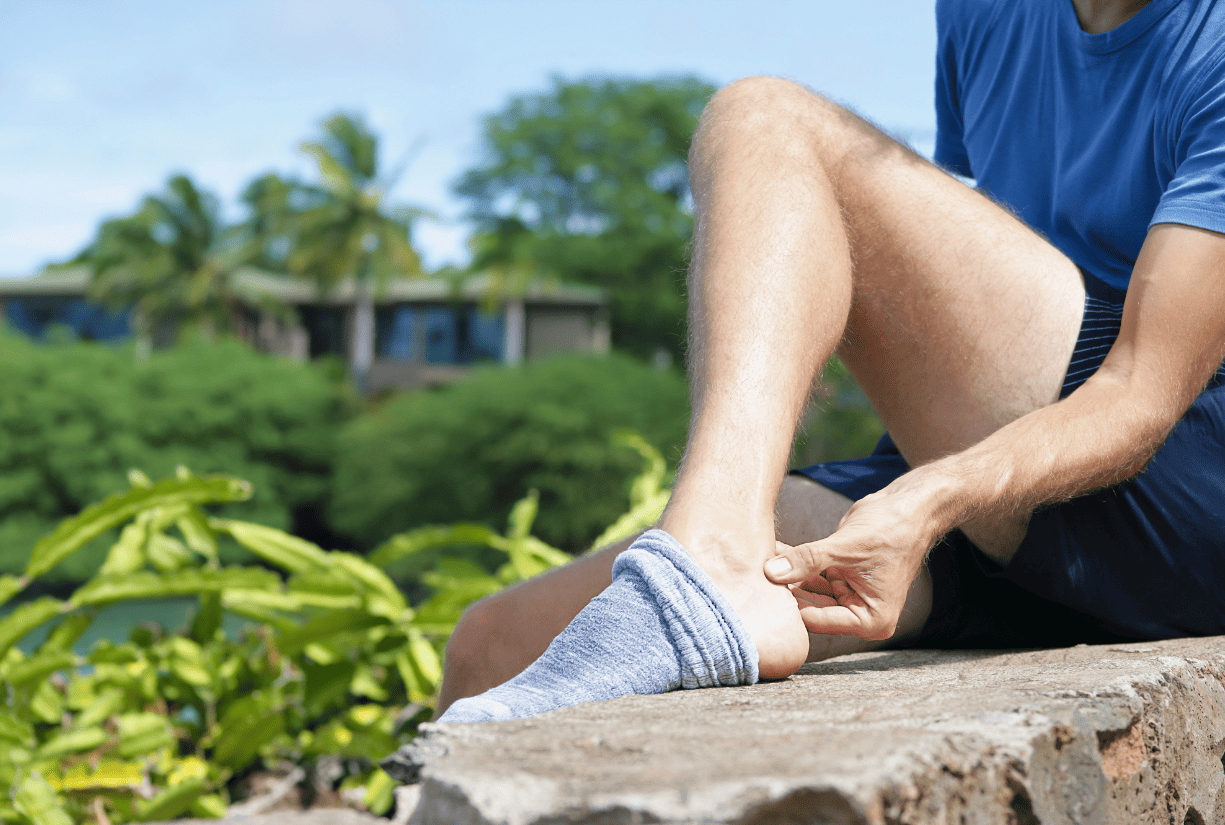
1141,560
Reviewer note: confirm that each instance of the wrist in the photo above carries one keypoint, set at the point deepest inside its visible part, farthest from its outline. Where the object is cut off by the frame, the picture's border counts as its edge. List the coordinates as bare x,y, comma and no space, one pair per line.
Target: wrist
940,495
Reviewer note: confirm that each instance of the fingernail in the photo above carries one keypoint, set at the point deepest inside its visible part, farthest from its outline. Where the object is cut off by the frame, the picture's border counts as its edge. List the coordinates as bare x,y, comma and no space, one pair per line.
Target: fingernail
778,566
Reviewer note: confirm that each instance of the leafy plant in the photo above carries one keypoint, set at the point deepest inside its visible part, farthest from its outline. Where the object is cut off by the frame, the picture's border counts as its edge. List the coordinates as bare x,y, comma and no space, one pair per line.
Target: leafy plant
165,724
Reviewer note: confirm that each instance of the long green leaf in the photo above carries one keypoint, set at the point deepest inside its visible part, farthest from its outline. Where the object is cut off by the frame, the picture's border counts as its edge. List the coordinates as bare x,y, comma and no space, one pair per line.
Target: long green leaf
25,618
37,801
650,480
639,517
425,657
76,740
199,536
325,590
239,599
147,585
249,606
93,521
10,586
128,554
523,514
66,633
275,546
372,579
172,801
39,667
407,544
142,733
551,556
291,642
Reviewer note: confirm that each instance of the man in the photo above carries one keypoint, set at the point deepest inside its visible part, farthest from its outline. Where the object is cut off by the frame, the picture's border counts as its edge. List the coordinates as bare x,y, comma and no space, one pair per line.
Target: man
1014,374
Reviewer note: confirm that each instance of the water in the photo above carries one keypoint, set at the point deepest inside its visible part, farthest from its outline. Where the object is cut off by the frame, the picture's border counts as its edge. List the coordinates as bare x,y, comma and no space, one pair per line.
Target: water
114,623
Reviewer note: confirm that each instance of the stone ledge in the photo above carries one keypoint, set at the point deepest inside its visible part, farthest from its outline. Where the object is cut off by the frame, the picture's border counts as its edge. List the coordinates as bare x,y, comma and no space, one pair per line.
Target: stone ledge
1110,734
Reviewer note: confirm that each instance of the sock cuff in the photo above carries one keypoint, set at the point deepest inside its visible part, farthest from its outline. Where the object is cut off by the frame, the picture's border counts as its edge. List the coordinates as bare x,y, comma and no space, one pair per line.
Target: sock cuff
714,647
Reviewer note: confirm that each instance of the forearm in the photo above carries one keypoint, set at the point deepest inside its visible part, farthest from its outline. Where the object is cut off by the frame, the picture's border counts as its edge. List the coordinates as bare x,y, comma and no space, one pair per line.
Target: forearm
1102,434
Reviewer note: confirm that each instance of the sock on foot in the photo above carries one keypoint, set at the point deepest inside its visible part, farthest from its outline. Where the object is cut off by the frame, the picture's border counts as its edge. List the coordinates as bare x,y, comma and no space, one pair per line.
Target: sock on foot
661,625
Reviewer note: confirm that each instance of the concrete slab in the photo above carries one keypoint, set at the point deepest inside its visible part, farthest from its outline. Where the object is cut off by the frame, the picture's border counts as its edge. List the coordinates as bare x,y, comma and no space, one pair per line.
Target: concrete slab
1110,734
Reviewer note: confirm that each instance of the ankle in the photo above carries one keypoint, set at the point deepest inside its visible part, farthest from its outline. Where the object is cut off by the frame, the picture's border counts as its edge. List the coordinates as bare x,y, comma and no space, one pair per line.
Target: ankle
722,547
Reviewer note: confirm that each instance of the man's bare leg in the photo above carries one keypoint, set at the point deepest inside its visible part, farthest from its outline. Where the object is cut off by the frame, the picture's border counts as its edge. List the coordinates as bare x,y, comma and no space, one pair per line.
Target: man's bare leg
816,232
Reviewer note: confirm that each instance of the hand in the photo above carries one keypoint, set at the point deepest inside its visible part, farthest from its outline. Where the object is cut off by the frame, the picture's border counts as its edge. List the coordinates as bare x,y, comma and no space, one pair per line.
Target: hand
855,581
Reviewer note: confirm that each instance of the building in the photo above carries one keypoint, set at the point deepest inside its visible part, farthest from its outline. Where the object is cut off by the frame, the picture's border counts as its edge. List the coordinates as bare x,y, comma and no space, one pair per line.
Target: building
426,331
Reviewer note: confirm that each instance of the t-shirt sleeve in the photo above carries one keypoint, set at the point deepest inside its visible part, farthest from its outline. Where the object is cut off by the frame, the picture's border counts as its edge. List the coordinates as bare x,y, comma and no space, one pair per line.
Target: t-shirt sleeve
1196,194
950,143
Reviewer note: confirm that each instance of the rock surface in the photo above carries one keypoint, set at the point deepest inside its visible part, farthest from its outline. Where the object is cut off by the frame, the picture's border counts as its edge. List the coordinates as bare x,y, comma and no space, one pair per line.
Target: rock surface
1101,735
318,816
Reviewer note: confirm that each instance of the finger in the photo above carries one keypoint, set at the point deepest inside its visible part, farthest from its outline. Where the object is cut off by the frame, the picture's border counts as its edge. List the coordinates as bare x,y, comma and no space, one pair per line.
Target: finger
796,564
807,599
841,620
817,584
840,590
832,620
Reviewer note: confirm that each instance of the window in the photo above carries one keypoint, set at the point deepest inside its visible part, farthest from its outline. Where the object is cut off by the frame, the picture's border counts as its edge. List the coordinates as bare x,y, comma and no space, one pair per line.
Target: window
325,328
438,334
88,321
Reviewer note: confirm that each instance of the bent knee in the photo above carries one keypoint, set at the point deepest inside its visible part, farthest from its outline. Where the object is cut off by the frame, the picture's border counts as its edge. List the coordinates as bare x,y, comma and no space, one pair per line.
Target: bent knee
766,107
476,637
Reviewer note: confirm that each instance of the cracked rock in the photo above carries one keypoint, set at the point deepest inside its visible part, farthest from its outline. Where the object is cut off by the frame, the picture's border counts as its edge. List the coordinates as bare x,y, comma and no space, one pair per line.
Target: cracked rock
1109,734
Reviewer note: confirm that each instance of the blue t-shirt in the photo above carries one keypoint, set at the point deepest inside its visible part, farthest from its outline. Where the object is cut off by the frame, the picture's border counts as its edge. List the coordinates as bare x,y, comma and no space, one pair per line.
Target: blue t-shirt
1090,138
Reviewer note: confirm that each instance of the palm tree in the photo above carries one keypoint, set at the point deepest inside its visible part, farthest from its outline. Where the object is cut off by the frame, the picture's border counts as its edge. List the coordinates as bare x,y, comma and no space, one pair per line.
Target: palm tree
342,227
173,261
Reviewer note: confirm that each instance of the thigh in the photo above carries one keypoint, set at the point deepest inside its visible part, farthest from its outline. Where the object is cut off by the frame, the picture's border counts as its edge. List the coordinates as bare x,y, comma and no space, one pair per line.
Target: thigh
962,318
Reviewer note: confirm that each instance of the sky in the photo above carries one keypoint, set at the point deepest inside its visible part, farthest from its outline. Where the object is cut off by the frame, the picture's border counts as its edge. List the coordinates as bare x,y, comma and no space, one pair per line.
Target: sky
101,102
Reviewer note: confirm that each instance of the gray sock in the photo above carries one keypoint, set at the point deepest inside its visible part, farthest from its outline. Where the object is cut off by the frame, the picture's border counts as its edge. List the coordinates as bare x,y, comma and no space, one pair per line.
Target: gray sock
661,625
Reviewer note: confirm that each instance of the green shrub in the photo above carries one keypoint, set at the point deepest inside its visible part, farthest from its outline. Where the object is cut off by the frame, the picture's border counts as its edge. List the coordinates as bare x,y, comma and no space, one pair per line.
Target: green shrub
74,417
162,724
467,452
170,721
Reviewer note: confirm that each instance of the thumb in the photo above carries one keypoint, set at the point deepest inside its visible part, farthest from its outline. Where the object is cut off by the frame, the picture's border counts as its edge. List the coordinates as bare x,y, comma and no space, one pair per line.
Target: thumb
793,565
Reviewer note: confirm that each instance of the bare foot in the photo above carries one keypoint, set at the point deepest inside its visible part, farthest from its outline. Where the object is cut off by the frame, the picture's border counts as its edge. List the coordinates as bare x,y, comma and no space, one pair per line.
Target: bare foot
769,611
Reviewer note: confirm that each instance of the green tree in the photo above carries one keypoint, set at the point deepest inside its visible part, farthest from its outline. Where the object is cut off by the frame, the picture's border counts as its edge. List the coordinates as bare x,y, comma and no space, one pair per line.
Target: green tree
588,182
173,260
339,227
76,417
468,451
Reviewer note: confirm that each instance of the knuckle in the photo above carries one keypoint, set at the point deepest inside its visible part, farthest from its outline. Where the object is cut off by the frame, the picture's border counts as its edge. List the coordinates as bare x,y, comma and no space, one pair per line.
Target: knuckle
807,557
